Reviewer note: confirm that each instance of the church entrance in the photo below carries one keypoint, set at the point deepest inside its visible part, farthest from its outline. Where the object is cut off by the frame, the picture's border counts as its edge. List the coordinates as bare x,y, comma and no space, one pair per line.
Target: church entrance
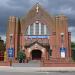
36,54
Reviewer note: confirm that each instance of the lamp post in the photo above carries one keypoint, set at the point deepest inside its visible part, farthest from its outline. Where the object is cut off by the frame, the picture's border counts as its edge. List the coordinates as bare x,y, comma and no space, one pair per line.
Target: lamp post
62,49
10,52
62,39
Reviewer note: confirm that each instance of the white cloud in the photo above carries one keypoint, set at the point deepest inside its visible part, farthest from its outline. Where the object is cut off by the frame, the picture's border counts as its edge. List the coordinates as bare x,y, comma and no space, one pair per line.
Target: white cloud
3,37
72,37
3,2
71,29
66,10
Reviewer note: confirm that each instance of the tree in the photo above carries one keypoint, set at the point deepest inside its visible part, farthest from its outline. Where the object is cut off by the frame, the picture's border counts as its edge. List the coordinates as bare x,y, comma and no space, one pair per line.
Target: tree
21,56
72,45
73,50
2,45
2,49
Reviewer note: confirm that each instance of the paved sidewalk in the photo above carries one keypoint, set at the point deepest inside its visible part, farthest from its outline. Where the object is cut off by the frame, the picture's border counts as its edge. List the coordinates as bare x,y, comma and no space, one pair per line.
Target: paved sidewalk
36,69
33,63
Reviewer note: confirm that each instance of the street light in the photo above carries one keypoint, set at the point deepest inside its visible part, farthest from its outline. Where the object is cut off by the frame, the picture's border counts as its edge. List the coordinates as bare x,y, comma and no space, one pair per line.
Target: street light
11,35
62,49
62,39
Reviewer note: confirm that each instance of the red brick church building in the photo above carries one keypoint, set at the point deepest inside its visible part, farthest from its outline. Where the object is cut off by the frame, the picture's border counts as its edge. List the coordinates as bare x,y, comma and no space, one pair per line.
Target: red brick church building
39,34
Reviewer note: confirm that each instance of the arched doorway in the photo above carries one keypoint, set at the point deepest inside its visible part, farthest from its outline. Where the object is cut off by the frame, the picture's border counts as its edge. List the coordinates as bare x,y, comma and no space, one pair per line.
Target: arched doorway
36,54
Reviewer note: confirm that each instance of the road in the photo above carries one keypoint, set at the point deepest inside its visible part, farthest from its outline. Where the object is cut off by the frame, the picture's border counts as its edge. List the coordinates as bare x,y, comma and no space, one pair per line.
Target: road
37,73
37,70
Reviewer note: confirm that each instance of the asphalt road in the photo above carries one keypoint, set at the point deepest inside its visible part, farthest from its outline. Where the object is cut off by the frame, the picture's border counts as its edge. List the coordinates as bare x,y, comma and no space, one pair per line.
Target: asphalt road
37,73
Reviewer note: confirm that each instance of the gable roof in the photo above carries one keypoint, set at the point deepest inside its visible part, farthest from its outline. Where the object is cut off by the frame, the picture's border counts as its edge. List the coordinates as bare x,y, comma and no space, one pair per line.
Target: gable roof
33,11
35,43
32,16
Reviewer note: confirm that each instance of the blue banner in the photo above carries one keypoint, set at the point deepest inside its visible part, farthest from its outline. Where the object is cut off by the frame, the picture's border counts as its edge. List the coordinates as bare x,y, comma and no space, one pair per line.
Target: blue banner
62,49
10,52
38,36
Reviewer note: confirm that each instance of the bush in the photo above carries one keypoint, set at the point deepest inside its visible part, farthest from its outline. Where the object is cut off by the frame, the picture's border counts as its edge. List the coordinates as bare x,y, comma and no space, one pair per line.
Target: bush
21,56
73,50
73,55
72,45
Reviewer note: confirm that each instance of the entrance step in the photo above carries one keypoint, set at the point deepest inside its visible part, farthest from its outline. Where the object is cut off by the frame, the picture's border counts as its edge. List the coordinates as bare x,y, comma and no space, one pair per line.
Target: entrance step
32,63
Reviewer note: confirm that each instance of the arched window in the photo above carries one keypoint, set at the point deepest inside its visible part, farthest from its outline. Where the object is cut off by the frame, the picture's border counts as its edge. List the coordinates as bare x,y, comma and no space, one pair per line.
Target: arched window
37,28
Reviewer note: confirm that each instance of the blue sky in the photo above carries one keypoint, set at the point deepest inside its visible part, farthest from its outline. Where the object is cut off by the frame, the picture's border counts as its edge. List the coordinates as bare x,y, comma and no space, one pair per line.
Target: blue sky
21,7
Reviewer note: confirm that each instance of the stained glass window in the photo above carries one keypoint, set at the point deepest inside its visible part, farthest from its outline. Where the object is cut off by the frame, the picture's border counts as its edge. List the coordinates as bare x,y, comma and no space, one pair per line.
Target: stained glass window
37,29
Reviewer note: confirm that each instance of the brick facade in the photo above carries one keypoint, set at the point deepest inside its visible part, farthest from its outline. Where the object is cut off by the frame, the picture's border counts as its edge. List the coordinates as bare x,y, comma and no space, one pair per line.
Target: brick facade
57,25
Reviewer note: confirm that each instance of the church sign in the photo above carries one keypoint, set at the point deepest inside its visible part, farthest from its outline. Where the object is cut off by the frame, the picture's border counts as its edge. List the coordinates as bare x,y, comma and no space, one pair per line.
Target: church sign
31,37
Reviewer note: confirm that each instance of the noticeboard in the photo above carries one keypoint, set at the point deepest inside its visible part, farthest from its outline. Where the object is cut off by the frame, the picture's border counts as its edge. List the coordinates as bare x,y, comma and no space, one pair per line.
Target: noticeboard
10,52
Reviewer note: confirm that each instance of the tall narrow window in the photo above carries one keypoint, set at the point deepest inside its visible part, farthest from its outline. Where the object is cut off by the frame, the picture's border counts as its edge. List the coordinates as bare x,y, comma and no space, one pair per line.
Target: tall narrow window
42,29
34,29
45,32
28,31
31,29
37,28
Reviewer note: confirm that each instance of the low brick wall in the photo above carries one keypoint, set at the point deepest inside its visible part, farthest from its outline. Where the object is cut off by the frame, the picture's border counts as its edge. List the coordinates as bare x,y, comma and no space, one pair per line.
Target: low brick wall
57,63
4,64
52,64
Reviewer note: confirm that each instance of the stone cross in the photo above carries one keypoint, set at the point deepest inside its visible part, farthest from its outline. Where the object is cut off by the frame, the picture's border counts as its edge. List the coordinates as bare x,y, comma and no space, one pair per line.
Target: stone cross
37,8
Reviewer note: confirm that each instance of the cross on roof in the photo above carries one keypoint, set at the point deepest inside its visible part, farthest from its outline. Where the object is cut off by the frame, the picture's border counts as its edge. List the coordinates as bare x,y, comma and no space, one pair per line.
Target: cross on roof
37,8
